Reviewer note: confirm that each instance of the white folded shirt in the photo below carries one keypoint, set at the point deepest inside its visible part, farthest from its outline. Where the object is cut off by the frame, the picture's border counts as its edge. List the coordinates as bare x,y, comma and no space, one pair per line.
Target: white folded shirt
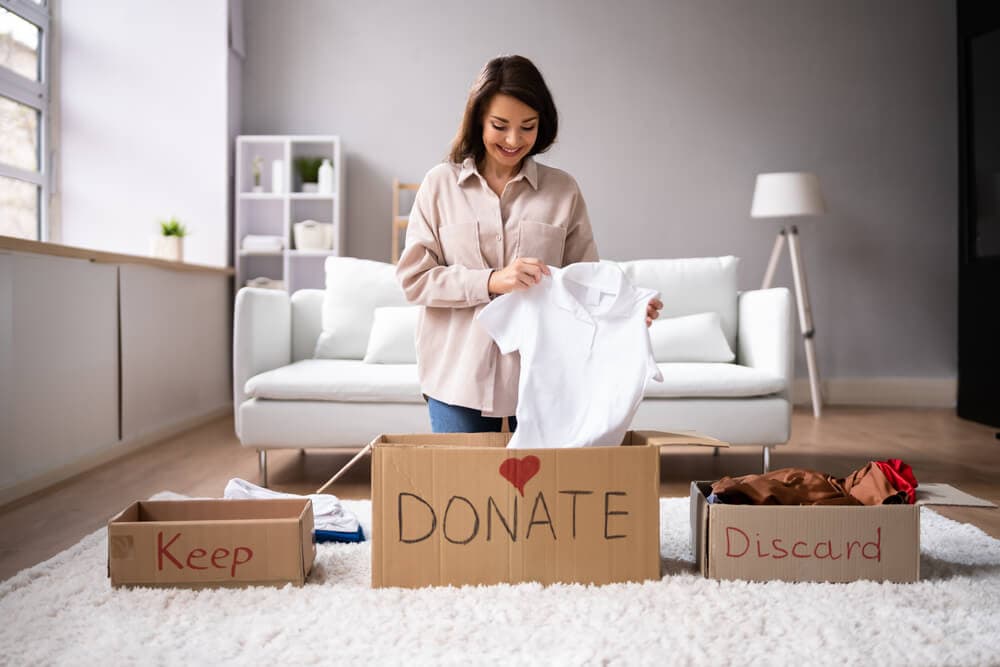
328,513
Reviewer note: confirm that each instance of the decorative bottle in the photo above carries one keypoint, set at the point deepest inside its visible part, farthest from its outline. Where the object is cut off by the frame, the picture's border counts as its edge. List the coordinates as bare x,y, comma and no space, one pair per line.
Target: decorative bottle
326,177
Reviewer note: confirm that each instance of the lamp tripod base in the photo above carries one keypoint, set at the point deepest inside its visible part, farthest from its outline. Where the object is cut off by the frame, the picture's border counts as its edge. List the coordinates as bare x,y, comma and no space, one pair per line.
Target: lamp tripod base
791,234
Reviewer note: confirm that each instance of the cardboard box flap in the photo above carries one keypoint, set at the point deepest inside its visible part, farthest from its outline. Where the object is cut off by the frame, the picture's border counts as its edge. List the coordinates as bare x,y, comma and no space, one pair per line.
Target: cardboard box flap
945,494
307,551
498,440
676,439
216,510
699,525
490,440
130,513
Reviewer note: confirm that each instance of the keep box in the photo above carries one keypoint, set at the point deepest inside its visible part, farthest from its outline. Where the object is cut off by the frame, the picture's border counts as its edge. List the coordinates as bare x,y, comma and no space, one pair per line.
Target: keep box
201,543
457,509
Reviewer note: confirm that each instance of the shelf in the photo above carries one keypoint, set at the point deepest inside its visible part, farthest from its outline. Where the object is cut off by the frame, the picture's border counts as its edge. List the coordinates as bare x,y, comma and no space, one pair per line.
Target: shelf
261,195
290,195
264,253
276,213
312,253
261,139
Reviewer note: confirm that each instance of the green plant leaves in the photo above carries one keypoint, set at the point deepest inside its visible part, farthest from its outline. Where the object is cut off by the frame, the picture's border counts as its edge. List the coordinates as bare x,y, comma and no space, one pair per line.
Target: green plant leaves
308,168
173,227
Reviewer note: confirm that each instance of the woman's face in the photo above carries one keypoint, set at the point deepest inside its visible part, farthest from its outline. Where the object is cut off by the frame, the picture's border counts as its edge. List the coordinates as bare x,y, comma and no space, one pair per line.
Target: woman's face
510,128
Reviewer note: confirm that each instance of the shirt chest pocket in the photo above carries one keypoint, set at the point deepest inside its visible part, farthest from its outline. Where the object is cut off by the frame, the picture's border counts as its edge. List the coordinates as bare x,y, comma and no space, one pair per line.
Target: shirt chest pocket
460,245
542,241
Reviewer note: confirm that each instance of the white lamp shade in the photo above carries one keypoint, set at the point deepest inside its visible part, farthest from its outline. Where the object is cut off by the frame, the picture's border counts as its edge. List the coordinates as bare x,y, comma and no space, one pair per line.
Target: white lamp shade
787,194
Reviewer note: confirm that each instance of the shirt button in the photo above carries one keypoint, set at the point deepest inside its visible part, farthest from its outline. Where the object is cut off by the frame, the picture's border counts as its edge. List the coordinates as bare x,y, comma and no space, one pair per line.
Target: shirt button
499,237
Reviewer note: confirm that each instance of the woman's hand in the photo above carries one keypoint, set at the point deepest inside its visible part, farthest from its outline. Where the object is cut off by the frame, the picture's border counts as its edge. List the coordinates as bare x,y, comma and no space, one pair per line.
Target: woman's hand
653,309
522,273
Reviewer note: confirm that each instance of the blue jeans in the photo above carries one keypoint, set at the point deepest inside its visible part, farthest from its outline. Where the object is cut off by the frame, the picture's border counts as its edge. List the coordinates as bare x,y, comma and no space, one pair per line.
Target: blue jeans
447,418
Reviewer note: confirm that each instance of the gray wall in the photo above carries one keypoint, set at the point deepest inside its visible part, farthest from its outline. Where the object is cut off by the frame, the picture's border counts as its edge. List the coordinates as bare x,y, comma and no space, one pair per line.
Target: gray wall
667,112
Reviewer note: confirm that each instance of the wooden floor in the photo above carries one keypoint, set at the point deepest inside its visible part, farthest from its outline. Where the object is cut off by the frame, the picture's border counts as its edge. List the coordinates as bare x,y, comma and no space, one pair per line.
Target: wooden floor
939,446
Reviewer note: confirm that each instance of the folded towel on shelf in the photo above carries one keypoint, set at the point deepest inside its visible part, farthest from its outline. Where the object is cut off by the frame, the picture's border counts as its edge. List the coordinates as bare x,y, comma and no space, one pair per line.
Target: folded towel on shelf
331,520
263,242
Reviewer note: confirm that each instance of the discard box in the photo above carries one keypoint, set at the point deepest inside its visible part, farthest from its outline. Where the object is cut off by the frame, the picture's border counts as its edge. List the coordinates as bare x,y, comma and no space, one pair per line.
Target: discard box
196,543
455,509
804,543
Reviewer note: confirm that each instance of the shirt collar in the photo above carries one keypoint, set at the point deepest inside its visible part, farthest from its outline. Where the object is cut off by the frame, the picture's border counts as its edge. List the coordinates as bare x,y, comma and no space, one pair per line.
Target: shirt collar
604,276
529,171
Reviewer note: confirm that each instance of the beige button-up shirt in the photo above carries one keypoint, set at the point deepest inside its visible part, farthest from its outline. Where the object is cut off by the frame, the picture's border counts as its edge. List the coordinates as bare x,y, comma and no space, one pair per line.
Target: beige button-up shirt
459,233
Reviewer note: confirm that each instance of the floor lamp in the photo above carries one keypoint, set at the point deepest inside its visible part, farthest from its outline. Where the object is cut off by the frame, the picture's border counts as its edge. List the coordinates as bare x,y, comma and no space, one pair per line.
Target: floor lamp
787,195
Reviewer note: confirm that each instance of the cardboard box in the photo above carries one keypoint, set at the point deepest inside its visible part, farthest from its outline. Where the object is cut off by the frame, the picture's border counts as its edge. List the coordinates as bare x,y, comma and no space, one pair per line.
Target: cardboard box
455,509
195,543
804,543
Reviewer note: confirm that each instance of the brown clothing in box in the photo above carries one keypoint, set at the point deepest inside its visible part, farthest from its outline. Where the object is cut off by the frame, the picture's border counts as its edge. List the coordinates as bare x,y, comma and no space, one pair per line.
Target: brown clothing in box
796,486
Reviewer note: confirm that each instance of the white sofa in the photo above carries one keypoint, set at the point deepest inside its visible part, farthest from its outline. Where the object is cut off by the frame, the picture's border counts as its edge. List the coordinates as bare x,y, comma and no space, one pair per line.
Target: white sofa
284,398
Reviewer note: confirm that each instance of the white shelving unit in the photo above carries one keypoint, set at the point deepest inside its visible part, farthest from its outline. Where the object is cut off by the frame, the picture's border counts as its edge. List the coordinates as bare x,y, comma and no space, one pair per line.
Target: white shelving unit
275,213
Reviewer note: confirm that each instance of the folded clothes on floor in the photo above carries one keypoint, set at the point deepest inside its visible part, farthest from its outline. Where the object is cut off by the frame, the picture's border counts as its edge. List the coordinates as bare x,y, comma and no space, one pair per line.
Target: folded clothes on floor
331,520
878,483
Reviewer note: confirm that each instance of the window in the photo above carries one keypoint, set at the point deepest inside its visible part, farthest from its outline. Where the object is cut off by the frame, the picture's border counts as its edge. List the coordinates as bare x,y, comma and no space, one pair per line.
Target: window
24,113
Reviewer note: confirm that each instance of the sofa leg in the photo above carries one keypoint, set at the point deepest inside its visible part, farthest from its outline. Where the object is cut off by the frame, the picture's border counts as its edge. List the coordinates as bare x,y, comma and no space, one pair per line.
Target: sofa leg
262,463
715,451
766,458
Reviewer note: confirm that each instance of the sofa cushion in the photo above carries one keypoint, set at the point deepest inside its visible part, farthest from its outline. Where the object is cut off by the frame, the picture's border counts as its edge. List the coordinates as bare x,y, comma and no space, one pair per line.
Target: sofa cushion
393,337
338,380
354,289
690,338
689,286
707,380
354,380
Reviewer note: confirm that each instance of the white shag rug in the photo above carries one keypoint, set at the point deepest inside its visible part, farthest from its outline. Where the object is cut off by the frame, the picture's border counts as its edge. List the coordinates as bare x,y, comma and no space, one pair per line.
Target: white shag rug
64,611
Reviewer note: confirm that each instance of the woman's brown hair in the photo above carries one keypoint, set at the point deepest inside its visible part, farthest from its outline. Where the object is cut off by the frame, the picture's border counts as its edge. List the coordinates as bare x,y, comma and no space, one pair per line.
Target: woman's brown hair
508,75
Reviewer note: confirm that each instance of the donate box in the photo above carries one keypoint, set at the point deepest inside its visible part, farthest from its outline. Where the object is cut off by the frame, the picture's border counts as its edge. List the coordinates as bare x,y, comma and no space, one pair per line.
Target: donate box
805,542
196,543
457,509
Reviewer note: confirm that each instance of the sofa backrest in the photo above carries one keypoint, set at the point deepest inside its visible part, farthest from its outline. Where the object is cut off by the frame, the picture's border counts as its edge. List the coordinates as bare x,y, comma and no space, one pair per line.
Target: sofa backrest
307,322
686,286
354,289
691,285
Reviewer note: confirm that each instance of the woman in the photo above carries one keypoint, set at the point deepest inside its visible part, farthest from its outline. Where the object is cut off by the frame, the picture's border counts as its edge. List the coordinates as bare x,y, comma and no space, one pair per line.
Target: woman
488,221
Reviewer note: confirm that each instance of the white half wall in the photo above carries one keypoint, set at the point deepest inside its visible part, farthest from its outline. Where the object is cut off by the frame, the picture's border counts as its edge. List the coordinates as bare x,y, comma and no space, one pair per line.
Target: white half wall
143,124
99,358
175,328
58,362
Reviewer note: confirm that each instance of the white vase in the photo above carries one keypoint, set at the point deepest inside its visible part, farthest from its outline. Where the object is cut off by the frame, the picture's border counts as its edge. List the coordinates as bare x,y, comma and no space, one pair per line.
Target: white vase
278,176
310,187
326,178
167,247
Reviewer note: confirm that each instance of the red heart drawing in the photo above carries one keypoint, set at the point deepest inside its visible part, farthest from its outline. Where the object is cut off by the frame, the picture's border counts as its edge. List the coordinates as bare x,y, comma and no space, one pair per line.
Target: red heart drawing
519,471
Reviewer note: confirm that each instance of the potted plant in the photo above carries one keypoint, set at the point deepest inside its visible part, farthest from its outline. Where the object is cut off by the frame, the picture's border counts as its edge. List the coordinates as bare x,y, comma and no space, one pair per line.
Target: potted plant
257,162
308,170
170,243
